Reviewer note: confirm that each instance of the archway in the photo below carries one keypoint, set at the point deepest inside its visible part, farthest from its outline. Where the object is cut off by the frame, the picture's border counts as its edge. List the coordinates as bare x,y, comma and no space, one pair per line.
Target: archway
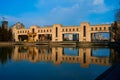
100,37
22,37
45,37
70,37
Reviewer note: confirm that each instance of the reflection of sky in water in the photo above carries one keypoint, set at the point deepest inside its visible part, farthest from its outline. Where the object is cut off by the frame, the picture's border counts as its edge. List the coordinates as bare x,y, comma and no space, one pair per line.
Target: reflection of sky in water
71,51
43,69
48,71
101,52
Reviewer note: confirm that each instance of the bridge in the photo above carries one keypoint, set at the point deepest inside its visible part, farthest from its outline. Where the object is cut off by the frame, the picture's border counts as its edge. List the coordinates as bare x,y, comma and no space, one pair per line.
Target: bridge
56,55
82,33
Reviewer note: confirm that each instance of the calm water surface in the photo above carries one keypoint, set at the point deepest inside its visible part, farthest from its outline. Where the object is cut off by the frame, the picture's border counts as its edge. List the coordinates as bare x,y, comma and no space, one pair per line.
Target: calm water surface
54,63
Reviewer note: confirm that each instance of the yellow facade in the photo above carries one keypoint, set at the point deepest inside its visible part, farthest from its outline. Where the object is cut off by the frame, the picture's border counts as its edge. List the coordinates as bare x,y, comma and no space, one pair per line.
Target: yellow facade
84,30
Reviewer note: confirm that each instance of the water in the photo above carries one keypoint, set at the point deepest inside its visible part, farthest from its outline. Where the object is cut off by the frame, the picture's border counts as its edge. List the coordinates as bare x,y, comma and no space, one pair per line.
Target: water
54,63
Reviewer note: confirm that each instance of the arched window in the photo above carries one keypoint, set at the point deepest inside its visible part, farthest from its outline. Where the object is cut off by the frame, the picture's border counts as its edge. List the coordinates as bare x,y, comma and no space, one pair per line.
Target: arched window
33,30
66,30
84,31
96,28
63,30
77,29
73,29
69,29
56,32
91,29
104,28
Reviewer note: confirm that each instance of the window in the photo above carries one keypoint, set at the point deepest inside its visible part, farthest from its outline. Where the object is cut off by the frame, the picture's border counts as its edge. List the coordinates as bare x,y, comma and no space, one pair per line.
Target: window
84,31
91,29
77,29
56,32
50,30
69,29
104,28
73,29
63,30
96,28
66,30
100,28
33,30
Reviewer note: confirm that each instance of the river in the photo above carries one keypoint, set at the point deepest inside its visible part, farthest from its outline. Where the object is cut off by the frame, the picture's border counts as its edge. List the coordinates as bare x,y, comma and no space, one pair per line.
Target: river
54,63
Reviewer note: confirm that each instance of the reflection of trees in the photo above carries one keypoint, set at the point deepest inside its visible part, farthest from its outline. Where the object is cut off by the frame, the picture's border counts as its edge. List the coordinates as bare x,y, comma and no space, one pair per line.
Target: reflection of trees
5,54
115,56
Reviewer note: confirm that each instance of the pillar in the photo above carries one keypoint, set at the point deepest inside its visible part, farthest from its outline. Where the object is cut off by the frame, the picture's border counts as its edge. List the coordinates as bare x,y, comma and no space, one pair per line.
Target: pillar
56,32
85,34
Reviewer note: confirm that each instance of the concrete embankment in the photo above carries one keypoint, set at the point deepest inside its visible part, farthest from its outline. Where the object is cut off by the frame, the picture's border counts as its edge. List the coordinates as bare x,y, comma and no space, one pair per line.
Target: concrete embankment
6,43
64,43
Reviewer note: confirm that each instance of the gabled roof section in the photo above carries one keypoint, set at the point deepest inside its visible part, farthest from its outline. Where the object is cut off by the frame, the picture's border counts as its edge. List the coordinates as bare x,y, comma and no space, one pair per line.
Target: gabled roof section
18,25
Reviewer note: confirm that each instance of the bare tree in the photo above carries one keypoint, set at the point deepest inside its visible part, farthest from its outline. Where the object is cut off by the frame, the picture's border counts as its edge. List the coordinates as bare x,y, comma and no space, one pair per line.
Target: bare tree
117,18
116,26
117,15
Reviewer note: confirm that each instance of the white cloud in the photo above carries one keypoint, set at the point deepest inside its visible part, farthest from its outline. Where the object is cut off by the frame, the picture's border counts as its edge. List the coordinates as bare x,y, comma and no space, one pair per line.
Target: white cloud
10,18
98,2
77,11
45,3
40,3
99,6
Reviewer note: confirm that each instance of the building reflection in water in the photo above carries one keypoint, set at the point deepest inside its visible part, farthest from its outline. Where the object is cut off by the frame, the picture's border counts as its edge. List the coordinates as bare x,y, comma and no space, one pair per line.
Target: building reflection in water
58,55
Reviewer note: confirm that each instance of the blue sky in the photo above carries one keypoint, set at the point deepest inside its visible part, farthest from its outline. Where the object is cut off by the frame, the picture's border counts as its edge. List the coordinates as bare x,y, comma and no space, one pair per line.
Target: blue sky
66,12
